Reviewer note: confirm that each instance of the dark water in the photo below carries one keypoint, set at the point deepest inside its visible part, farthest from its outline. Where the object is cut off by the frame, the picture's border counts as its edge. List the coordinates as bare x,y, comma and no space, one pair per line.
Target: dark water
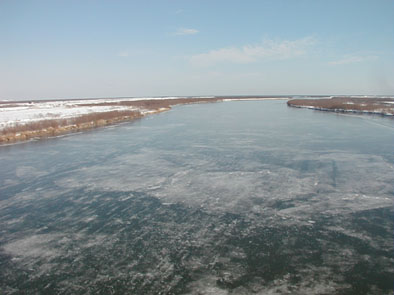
245,197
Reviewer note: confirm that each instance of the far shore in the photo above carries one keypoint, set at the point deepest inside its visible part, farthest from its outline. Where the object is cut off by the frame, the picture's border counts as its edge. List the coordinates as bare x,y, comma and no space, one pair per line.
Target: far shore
347,104
112,111
51,118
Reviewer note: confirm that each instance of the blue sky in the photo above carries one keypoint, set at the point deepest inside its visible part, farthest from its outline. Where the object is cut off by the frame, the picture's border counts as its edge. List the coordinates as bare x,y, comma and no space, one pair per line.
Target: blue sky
73,49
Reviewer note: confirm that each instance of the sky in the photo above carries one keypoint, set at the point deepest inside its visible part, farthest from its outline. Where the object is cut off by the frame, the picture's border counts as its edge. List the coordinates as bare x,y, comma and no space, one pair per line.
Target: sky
82,49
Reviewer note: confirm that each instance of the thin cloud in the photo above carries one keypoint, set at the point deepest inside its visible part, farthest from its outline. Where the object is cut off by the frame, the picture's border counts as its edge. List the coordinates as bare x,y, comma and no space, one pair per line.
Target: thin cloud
352,59
185,31
123,53
268,50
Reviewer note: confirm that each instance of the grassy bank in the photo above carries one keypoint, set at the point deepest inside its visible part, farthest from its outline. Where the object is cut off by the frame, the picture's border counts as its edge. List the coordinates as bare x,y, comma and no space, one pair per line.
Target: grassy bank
382,106
54,127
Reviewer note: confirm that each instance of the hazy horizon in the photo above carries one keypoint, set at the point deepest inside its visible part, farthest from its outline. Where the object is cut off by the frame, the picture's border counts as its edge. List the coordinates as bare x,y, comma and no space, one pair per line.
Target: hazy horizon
191,96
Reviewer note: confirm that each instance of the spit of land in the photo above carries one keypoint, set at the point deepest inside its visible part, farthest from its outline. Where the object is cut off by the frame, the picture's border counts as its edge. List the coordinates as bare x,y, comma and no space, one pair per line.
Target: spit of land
351,104
26,120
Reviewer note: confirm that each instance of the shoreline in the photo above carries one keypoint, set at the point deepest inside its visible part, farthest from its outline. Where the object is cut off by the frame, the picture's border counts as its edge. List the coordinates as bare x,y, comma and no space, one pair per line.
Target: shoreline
343,111
108,112
53,132
381,106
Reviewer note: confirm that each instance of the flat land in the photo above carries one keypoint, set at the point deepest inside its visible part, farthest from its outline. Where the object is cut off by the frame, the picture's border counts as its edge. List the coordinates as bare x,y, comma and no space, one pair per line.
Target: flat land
367,105
26,120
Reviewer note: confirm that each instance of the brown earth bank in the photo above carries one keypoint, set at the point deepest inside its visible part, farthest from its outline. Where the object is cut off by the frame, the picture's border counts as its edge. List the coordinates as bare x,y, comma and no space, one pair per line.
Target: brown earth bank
153,101
364,105
55,127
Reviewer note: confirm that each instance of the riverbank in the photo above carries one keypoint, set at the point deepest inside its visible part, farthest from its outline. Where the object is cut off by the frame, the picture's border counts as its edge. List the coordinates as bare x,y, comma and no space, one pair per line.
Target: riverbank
364,105
50,128
26,120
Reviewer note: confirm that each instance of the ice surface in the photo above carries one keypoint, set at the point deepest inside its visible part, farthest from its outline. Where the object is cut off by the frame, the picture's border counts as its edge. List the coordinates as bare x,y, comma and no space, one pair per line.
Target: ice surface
262,199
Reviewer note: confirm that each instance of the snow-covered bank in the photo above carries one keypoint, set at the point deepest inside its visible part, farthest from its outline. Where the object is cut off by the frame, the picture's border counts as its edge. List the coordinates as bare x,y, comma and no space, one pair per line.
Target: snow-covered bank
361,105
377,112
13,113
37,119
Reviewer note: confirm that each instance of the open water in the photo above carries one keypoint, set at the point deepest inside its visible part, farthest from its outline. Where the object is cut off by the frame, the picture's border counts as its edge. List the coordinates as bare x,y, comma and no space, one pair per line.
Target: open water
243,197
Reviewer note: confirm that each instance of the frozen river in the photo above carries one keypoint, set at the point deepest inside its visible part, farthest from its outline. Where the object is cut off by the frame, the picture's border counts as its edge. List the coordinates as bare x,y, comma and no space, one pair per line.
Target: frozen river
242,197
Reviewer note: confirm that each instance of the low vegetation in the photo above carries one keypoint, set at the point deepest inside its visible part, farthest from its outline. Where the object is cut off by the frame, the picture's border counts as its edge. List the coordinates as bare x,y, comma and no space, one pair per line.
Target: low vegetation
56,126
384,106
153,104
52,127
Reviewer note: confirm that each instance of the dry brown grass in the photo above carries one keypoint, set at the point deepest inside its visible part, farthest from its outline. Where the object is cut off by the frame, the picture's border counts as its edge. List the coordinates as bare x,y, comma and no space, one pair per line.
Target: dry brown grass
45,128
346,104
57,123
51,127
153,104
